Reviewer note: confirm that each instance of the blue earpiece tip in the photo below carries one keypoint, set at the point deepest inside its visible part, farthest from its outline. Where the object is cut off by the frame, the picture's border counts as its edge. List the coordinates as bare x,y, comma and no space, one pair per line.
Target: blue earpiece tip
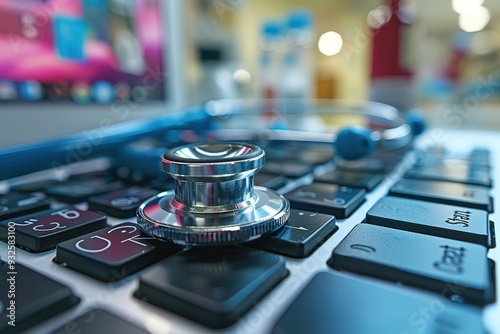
279,125
415,119
354,143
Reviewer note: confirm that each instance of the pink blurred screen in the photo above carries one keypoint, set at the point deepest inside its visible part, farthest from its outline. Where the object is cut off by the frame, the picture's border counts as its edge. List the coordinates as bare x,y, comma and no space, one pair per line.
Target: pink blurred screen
85,51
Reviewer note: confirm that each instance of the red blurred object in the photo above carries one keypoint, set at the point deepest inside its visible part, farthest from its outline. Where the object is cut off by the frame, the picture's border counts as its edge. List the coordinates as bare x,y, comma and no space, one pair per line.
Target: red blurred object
389,42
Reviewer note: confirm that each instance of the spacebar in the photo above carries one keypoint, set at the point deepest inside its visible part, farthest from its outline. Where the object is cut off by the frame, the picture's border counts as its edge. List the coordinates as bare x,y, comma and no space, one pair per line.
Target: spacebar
331,303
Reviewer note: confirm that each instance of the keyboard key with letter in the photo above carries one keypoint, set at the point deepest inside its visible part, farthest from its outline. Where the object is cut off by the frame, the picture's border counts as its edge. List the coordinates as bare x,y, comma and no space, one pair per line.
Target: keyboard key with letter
449,221
302,234
42,231
113,253
452,268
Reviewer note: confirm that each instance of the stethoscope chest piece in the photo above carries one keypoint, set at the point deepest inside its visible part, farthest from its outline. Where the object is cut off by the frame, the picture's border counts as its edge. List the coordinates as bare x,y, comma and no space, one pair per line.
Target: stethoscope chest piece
214,200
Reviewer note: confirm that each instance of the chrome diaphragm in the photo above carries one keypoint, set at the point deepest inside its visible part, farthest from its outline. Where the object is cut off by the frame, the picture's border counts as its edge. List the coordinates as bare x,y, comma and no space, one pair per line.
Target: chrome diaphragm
214,200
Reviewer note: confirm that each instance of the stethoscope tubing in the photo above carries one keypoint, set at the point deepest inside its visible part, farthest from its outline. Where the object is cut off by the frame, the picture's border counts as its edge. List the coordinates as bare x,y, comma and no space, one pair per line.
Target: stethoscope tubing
353,142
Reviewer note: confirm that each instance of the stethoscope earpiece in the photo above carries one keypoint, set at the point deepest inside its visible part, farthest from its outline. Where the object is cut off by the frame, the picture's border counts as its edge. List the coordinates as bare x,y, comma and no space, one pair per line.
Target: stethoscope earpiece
354,143
415,119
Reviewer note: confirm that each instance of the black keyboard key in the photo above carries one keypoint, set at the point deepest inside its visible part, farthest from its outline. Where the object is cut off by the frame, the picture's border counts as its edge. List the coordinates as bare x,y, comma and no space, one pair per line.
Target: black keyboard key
212,286
351,179
113,253
289,168
332,303
340,201
99,321
309,153
269,180
34,186
456,173
447,221
42,231
480,154
28,298
477,156
16,204
300,236
440,161
78,190
455,269
121,203
314,156
161,183
370,165
451,193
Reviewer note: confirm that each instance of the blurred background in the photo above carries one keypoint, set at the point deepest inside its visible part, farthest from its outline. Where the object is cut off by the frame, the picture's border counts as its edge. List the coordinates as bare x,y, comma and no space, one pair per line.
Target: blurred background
442,56
85,63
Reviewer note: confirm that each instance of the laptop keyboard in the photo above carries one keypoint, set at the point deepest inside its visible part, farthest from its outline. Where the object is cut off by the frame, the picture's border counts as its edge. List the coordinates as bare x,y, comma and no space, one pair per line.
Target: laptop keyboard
400,242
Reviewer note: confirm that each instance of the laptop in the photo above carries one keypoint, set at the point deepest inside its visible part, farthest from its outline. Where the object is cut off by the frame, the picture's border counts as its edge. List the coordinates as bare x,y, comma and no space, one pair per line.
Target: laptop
92,92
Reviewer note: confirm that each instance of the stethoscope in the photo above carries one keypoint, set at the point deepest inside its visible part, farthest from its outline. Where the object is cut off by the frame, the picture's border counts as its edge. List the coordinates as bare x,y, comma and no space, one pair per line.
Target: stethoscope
215,201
